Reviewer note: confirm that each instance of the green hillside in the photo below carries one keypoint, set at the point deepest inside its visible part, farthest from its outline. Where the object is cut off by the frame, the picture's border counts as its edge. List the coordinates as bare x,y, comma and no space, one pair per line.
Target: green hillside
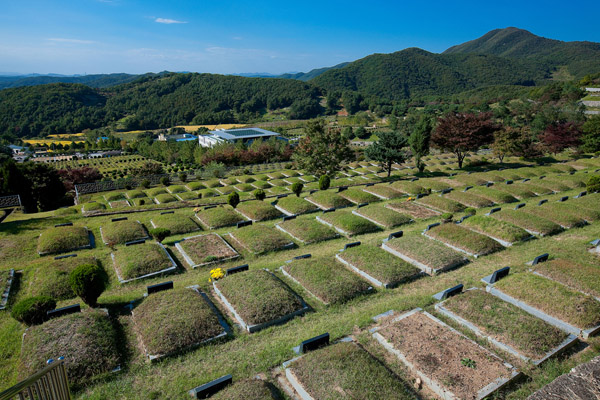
95,81
306,76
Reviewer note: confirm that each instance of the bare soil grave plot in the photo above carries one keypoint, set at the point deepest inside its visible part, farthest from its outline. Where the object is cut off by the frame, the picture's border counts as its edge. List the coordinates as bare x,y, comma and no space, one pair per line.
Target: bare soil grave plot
583,277
257,210
378,266
449,363
258,299
119,204
202,250
49,277
531,223
87,340
326,200
64,239
462,239
141,261
219,217
293,205
259,239
581,383
176,223
506,326
343,370
174,321
325,279
567,309
503,232
431,256
121,232
416,211
347,223
383,216
441,204
307,231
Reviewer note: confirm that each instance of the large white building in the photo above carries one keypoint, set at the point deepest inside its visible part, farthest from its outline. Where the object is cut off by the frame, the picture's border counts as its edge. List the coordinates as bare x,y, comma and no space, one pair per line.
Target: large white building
244,135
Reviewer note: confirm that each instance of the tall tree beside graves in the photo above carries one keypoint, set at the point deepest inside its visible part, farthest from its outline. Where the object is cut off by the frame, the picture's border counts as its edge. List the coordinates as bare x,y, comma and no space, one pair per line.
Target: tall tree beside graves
419,141
560,136
505,142
388,149
590,141
322,150
460,133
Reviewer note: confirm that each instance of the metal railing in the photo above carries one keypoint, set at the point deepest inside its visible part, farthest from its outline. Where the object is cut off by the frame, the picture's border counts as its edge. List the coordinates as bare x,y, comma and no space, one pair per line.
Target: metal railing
48,384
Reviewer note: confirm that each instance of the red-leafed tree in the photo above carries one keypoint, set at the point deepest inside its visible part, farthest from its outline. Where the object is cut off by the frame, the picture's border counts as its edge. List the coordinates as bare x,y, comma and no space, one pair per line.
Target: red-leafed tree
75,176
560,136
463,132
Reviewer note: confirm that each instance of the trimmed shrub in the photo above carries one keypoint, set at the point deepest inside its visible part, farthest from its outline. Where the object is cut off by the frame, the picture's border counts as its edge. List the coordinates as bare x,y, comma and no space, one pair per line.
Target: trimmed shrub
470,211
183,177
447,217
165,181
297,188
159,233
33,310
88,281
259,194
233,199
593,184
324,182
145,184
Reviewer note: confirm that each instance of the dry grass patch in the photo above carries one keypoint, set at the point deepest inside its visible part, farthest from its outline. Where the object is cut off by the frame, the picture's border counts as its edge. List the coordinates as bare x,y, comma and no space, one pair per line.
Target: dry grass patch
442,204
384,191
408,188
358,196
496,229
496,194
469,199
414,210
63,239
567,221
430,255
580,276
470,242
247,389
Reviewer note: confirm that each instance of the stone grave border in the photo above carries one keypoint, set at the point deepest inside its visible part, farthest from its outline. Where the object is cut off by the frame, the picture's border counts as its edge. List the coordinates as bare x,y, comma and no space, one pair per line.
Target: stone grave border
6,289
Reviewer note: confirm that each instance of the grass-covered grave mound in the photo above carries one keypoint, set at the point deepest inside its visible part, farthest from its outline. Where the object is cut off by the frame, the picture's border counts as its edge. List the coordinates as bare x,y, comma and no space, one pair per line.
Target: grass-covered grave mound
358,196
48,277
139,260
531,223
327,279
257,210
175,320
205,249
441,203
307,230
87,340
416,211
383,216
470,242
247,389
165,198
176,223
260,239
377,263
62,239
582,276
497,229
326,200
120,232
219,217
346,371
296,205
348,223
384,191
259,297
469,199
558,216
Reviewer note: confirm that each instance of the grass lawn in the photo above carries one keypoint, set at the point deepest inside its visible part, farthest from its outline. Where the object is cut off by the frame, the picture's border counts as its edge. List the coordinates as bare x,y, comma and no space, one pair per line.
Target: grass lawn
308,230
141,259
495,194
176,223
434,185
120,232
471,242
348,224
469,199
114,197
258,210
386,217
296,205
247,389
193,186
156,191
87,340
379,264
176,189
346,371
175,320
552,185
535,188
471,180
87,207
63,239
258,296
496,318
407,187
326,200
358,196
205,249
552,298
165,198
260,239
531,223
567,221
384,191
219,217
580,276
430,253
442,204
135,194
261,185
327,279
496,228
519,191
574,210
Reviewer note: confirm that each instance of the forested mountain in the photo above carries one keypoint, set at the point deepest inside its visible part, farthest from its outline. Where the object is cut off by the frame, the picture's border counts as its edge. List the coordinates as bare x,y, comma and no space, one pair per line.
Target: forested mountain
580,58
95,81
413,71
150,102
306,76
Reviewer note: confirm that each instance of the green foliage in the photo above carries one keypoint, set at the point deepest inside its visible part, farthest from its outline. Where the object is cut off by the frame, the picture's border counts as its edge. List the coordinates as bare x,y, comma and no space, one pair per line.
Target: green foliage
470,211
33,310
388,149
593,184
183,177
165,181
159,233
88,281
361,133
297,188
324,182
447,216
145,183
591,134
215,169
233,199
259,194
419,141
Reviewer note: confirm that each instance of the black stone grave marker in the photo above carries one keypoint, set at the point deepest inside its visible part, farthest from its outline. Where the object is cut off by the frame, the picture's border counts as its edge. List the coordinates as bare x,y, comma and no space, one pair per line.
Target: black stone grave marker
314,343
210,388
239,268
159,287
59,312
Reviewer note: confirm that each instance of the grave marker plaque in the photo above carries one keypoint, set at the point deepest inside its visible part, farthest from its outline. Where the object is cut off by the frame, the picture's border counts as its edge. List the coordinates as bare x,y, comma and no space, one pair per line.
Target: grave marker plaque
350,245
239,268
118,219
59,312
540,259
159,287
496,275
453,291
210,388
243,223
520,205
314,343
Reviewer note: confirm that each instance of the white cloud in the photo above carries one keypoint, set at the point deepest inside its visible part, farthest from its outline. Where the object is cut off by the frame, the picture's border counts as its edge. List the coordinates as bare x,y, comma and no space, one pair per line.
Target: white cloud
169,21
73,41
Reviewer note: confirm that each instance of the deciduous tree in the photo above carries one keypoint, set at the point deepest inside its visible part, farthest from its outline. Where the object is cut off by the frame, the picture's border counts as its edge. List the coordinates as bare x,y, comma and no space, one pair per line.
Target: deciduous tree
560,136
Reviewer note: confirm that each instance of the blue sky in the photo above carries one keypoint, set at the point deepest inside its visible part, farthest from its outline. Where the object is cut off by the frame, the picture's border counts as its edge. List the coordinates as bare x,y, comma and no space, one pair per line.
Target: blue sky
137,36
